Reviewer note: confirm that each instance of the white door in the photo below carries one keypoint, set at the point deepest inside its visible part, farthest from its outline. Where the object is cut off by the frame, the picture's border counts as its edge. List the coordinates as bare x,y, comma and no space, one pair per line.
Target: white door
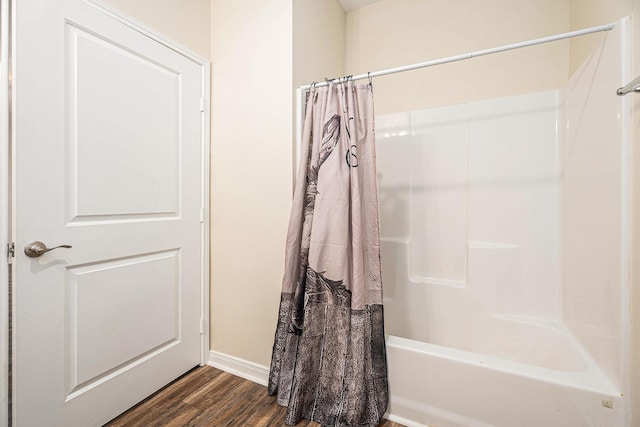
108,144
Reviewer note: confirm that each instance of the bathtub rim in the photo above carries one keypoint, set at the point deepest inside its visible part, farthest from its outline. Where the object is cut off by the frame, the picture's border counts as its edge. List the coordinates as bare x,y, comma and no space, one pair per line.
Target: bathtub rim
589,379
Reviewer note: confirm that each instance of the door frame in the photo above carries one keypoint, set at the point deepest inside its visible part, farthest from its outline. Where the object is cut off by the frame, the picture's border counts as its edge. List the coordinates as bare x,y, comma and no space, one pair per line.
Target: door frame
5,209
7,196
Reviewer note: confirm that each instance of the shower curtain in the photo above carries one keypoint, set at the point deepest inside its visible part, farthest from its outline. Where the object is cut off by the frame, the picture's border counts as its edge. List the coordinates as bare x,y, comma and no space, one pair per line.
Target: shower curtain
329,362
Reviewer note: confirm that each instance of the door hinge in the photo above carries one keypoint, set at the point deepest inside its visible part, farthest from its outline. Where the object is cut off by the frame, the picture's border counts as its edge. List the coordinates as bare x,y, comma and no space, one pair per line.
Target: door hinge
203,103
203,324
11,252
202,215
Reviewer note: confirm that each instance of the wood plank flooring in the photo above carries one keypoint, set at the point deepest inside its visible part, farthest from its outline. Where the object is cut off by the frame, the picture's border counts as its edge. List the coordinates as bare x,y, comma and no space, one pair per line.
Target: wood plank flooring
207,397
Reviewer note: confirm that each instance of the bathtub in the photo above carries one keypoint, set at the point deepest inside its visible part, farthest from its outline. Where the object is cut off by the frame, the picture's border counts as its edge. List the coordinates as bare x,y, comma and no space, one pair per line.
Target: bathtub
460,356
436,386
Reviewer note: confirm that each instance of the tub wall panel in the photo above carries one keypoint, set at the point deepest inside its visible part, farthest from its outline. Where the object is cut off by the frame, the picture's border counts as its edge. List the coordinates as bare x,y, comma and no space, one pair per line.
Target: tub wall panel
591,177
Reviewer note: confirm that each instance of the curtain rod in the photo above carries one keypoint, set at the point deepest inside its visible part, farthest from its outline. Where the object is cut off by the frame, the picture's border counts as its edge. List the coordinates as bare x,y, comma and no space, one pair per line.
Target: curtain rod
301,89
633,86
468,55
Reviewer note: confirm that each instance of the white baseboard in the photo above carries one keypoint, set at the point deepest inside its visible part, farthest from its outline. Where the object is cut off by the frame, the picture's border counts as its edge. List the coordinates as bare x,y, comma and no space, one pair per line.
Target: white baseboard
403,421
239,367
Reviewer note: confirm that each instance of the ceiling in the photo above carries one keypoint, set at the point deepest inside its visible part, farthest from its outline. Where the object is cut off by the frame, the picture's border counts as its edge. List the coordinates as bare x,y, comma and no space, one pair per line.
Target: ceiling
349,5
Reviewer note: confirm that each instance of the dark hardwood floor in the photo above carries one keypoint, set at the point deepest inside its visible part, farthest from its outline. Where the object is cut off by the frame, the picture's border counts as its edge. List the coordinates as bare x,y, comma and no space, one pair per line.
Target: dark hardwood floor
208,397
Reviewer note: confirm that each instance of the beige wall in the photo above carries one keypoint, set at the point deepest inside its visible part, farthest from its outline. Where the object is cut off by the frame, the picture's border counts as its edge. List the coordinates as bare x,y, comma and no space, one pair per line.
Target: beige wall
251,128
258,46
588,13
392,33
319,37
185,21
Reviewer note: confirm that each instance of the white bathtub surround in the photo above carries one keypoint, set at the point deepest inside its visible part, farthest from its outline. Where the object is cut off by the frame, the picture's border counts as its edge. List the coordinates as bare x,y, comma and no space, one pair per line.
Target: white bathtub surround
594,167
470,224
504,228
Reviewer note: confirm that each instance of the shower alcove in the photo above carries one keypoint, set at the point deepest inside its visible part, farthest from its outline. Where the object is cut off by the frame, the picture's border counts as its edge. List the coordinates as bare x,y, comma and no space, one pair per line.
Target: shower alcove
505,248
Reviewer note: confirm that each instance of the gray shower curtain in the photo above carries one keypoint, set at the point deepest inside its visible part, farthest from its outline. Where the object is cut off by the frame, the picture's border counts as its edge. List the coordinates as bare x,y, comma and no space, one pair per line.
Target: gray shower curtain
329,362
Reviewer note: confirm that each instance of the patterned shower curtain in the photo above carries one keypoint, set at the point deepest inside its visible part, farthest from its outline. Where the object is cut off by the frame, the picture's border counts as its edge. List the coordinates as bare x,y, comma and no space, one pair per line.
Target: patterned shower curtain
329,362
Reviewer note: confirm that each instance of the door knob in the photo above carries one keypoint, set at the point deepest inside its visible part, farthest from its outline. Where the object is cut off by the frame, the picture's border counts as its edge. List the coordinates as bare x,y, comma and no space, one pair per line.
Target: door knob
35,249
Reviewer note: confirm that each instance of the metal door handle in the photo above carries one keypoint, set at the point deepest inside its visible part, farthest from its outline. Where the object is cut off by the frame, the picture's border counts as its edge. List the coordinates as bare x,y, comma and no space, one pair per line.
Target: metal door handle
35,249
